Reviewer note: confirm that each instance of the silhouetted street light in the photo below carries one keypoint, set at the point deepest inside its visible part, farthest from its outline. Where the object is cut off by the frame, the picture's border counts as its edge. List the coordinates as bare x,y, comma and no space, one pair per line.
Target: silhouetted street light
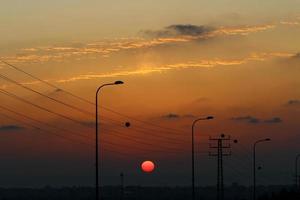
127,124
254,165
296,171
193,153
97,125
122,185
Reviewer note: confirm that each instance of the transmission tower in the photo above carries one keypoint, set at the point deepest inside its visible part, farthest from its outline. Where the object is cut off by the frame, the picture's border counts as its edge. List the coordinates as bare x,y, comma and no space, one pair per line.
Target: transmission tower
220,147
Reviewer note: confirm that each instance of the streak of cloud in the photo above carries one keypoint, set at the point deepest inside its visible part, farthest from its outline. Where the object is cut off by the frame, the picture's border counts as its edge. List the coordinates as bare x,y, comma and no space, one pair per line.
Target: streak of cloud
247,119
170,35
7,128
173,116
254,120
293,102
273,120
178,66
179,30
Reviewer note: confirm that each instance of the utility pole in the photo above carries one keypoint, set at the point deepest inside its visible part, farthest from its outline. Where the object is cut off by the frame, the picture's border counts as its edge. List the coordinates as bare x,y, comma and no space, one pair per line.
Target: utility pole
122,186
297,180
222,144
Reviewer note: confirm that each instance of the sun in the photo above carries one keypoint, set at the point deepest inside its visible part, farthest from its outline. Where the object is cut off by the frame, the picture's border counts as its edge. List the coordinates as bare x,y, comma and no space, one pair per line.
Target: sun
148,166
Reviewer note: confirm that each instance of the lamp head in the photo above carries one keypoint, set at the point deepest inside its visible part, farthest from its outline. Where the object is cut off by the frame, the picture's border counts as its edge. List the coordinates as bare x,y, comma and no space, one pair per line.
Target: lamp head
118,82
268,139
127,124
209,117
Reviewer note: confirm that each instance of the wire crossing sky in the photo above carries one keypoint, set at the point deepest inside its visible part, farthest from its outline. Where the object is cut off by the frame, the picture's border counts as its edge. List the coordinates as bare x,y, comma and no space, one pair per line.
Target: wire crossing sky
180,60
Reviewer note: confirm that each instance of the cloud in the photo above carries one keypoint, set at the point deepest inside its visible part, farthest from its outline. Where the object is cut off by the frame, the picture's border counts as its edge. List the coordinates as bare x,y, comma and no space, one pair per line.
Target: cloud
179,30
178,33
254,120
243,30
195,32
205,63
248,119
89,50
10,128
293,102
273,120
188,29
110,75
177,116
290,23
171,116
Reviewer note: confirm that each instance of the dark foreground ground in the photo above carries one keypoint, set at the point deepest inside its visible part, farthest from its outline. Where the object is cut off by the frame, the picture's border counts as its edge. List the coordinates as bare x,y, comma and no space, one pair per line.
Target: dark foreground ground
234,192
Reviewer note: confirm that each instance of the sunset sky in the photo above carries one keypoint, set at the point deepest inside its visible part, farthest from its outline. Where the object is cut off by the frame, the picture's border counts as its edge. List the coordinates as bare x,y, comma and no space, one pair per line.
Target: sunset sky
236,60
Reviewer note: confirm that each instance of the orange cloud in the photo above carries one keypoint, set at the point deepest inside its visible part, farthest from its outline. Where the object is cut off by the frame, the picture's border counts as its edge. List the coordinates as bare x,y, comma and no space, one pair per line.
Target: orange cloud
243,30
164,68
105,48
290,23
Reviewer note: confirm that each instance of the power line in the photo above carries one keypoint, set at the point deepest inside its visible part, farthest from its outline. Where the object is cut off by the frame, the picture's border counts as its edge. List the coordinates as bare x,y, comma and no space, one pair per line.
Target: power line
43,95
69,139
77,108
115,133
171,150
40,107
171,130
41,122
139,129
46,96
46,131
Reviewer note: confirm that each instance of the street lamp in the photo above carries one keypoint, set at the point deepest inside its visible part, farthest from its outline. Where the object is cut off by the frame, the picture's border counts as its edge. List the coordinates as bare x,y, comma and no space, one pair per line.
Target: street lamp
193,153
97,127
296,171
254,165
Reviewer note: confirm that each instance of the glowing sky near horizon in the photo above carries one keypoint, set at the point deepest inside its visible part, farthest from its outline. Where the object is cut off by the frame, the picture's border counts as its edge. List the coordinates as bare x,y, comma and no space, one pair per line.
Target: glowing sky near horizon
236,60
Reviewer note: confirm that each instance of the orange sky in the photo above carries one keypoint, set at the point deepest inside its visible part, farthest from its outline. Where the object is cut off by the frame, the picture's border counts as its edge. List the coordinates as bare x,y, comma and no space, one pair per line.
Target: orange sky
236,63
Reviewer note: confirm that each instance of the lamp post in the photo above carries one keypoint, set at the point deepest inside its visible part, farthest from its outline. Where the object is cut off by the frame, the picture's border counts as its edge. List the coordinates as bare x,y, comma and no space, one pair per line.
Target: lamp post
97,127
193,153
296,171
254,164
122,185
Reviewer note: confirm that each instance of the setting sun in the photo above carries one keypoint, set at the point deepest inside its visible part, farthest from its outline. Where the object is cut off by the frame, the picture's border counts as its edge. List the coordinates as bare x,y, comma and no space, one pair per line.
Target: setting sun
148,166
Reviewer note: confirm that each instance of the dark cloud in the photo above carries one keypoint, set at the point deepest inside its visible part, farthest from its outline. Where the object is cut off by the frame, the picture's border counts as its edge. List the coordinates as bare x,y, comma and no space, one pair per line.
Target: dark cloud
179,30
10,128
171,116
188,29
248,119
293,102
58,90
255,120
55,92
176,116
274,120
